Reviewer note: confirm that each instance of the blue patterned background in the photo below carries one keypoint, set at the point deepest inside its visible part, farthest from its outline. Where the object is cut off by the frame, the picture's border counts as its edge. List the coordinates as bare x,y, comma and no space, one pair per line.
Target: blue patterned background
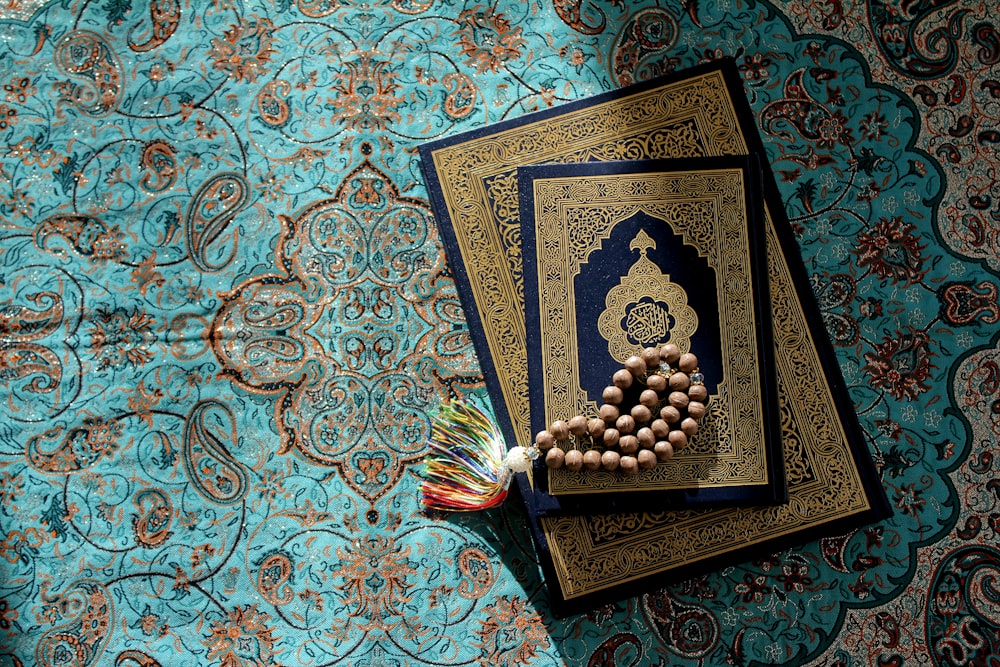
225,318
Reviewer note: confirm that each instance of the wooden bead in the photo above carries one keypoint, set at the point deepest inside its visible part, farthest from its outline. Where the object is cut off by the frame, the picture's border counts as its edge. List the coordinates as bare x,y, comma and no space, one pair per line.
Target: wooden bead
664,450
649,398
628,444
677,440
578,425
629,465
544,440
651,357
613,395
555,458
656,382
647,459
636,366
670,353
641,414
670,414
634,438
622,379
678,399
688,362
625,424
680,381
574,460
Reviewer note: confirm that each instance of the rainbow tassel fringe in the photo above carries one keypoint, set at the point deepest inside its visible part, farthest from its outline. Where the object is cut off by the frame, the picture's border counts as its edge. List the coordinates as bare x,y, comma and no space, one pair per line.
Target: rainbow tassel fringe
467,467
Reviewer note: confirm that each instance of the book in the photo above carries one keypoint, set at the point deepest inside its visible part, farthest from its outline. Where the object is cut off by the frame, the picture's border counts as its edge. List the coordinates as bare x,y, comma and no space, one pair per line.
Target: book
619,256
590,560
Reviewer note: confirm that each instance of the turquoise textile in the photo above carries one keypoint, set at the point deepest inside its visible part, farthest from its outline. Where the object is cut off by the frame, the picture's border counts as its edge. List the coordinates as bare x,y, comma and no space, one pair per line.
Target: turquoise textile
226,318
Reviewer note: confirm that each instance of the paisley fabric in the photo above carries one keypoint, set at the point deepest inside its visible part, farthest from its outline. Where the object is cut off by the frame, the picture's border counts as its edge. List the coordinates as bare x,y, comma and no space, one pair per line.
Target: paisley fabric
226,318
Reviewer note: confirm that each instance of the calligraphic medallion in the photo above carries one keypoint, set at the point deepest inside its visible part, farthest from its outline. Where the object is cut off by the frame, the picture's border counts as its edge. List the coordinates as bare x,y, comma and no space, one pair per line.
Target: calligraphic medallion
646,308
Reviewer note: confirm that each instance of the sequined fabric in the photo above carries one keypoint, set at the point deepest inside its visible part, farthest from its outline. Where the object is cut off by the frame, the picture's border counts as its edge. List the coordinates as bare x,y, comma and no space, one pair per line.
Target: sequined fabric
226,317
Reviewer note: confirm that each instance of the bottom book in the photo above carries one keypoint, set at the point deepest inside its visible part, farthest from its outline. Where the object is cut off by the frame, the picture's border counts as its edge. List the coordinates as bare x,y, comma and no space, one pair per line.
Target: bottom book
831,481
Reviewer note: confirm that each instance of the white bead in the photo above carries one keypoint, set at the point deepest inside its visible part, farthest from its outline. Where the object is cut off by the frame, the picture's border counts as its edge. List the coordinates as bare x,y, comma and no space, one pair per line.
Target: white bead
517,459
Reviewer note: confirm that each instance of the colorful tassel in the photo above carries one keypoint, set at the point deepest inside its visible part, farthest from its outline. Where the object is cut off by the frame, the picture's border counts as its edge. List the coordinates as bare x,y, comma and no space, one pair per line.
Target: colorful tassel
468,467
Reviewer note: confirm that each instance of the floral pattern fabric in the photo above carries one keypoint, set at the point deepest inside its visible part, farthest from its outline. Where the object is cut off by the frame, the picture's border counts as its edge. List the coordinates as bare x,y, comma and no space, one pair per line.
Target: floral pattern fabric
226,318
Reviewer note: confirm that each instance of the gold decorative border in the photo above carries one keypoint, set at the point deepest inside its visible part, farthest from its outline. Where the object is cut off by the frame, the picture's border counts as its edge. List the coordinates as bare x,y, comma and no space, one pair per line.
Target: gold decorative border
707,209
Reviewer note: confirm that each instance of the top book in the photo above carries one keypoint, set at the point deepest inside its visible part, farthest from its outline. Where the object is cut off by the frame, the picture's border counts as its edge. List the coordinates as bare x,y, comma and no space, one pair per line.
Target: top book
619,256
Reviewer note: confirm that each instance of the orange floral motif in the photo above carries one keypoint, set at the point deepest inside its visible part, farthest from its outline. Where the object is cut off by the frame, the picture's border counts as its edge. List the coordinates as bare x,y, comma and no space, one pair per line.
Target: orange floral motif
11,486
375,576
8,116
102,435
510,635
244,639
143,400
158,71
108,246
13,546
19,90
8,615
152,625
245,49
121,338
487,39
146,275
200,554
96,620
30,155
18,202
367,97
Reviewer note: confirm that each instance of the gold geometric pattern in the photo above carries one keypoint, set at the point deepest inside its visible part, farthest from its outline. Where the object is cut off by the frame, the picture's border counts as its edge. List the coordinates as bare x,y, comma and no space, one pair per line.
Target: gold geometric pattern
707,210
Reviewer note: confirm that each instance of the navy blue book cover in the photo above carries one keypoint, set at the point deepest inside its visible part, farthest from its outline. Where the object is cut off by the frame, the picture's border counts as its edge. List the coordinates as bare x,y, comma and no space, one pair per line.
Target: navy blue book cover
619,256
701,112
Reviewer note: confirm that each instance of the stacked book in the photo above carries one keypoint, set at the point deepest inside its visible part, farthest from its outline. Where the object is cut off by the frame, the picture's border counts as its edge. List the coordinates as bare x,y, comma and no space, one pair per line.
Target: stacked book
582,235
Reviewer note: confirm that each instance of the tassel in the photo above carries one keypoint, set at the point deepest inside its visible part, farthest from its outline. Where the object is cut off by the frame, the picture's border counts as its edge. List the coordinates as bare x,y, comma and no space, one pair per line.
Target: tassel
468,467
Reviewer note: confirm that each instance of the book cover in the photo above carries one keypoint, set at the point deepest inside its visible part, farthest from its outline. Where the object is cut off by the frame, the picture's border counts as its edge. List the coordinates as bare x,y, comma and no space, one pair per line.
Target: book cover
590,560
619,256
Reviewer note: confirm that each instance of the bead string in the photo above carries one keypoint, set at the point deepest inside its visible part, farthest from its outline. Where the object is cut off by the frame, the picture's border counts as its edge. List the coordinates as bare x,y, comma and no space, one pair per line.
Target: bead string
671,397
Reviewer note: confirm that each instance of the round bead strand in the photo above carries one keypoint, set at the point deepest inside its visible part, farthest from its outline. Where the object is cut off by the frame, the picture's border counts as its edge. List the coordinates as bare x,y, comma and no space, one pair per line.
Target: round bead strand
633,438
